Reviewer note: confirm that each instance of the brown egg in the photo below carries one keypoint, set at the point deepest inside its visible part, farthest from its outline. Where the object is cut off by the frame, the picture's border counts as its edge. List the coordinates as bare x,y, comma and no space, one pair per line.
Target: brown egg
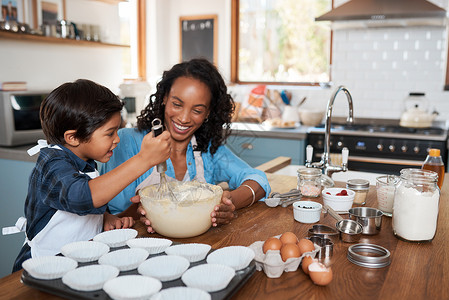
305,245
272,243
320,274
289,250
306,261
288,238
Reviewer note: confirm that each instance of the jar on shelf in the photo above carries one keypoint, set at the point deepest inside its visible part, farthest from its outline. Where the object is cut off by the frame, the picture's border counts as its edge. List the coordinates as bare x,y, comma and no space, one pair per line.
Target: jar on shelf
415,207
309,182
361,189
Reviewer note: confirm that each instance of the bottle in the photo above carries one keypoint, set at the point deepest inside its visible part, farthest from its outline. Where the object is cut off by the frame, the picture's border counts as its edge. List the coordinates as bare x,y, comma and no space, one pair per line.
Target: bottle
309,182
434,162
415,207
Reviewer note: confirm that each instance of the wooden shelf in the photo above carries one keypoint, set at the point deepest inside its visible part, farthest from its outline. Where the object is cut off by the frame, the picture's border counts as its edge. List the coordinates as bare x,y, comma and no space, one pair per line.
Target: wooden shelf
47,39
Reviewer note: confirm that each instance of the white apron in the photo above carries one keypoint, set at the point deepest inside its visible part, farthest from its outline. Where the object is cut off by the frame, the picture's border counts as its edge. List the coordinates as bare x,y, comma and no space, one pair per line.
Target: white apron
154,177
63,227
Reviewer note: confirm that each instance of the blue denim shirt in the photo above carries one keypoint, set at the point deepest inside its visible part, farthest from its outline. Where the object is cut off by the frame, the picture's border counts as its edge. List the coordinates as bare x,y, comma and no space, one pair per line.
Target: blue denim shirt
223,166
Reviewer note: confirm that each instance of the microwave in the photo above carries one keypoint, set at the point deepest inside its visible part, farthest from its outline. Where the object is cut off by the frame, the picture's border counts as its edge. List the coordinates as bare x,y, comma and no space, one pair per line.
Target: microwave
19,112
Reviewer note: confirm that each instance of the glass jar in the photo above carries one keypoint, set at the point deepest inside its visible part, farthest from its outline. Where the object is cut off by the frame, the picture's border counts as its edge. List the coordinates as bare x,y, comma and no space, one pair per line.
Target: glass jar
415,207
360,187
309,182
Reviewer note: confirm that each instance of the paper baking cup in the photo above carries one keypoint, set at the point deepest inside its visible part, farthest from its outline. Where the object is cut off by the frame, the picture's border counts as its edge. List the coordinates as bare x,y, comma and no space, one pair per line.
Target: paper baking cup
208,277
193,252
49,267
116,237
181,292
132,287
89,278
152,245
236,257
124,259
164,267
85,251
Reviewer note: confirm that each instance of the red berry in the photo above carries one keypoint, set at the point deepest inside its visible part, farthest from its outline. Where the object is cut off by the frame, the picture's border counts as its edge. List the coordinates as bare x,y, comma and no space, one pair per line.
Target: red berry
344,193
328,193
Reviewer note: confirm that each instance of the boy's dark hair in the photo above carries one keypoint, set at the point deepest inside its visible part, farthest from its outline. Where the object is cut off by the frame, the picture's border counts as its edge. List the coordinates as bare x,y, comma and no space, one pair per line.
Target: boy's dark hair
218,126
82,105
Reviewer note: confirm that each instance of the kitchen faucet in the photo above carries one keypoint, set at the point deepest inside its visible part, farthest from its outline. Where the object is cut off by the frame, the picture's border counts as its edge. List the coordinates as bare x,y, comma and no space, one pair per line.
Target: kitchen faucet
325,164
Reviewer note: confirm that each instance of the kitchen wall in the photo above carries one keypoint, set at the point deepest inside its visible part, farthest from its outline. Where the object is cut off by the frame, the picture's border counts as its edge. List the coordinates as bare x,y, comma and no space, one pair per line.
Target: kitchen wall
45,65
379,66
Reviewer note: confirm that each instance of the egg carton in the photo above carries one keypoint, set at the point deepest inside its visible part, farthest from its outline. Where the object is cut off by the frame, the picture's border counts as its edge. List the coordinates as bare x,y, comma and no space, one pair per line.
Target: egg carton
271,262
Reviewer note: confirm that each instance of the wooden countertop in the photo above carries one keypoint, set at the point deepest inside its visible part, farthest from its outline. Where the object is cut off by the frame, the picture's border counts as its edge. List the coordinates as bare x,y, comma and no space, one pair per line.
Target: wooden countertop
417,270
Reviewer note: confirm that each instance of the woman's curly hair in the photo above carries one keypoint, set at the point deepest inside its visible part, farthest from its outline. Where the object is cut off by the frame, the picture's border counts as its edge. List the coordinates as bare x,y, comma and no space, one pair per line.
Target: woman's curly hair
217,127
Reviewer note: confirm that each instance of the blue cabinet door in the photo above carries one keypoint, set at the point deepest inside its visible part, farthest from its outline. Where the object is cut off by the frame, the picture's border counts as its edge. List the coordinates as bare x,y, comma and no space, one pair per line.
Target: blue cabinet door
257,150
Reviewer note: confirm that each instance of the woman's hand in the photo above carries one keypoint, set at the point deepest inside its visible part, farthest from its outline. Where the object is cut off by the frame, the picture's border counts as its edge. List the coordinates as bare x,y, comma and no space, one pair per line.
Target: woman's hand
224,212
111,222
142,213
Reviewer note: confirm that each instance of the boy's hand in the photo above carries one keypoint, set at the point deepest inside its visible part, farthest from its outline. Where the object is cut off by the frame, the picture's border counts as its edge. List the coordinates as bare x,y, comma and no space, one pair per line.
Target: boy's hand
156,149
224,212
142,214
111,222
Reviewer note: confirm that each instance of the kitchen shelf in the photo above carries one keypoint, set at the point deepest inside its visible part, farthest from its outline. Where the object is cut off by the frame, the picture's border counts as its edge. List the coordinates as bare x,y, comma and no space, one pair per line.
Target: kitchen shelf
54,40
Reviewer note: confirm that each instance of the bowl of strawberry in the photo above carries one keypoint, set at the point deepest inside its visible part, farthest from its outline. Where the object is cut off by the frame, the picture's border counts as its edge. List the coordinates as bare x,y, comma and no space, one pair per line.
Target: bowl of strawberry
340,199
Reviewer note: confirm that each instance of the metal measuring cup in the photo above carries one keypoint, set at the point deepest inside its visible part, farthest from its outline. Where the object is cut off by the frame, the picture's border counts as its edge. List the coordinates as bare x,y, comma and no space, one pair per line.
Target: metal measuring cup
350,230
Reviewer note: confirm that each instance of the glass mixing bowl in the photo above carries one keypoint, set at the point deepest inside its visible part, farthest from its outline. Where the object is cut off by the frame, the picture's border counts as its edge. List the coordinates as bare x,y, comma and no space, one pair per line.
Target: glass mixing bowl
186,216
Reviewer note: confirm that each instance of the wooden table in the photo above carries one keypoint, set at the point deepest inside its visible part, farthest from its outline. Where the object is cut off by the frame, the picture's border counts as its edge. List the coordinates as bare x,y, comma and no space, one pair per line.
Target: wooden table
417,270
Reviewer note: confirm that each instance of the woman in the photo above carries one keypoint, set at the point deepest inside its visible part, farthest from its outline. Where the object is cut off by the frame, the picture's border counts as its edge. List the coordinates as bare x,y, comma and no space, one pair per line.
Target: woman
192,101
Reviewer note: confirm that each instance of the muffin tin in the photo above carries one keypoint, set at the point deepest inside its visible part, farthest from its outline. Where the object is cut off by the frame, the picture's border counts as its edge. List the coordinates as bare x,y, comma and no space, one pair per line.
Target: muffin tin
57,287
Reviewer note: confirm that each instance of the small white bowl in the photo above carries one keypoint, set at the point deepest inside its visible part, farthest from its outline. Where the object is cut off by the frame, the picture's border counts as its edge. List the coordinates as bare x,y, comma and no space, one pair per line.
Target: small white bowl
116,237
208,277
181,292
338,203
236,257
132,287
307,211
164,267
49,267
124,259
89,278
152,245
85,251
193,252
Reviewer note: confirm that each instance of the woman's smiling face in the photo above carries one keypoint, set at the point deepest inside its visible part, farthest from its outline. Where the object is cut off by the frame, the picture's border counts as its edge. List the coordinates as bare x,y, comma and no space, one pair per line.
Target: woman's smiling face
186,107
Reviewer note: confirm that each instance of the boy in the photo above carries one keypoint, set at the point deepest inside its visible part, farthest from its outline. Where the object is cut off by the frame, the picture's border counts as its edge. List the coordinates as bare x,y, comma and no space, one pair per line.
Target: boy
66,199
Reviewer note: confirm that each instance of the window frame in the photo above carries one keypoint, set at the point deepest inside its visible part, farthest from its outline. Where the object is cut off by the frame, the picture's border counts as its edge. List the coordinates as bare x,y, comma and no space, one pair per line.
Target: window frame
235,53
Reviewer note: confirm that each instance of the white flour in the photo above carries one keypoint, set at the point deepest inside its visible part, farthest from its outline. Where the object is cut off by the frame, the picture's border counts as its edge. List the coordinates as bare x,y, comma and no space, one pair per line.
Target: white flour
415,213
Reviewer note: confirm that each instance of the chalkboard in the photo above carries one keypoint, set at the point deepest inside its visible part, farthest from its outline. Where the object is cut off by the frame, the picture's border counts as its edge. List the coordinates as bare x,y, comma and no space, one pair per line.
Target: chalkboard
198,37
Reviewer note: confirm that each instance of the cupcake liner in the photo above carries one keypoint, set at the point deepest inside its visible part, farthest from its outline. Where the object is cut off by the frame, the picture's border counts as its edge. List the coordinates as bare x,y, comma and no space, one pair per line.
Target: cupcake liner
236,257
116,237
193,252
164,267
181,292
49,267
89,278
152,245
124,259
85,251
208,277
132,287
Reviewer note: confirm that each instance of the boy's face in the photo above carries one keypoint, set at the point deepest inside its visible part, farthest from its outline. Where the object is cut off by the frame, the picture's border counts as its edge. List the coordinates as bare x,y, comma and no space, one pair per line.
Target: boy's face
102,142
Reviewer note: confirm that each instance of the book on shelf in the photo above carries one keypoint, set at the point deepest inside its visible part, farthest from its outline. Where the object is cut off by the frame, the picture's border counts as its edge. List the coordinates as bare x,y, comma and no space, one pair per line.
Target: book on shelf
13,86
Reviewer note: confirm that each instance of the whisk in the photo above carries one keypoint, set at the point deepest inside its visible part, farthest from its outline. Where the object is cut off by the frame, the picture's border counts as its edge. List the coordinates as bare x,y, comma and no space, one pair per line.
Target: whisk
164,189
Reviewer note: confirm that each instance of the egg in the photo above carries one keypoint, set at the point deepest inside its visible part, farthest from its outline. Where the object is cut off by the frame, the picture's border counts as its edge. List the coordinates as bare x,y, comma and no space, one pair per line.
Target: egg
289,250
320,274
306,261
288,238
272,243
305,245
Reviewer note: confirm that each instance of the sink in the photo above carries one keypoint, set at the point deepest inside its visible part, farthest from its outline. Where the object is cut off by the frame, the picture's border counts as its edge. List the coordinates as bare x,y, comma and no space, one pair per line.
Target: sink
291,170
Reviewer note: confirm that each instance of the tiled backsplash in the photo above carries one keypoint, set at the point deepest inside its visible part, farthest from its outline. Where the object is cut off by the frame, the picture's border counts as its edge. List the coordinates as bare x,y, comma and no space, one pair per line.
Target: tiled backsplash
380,66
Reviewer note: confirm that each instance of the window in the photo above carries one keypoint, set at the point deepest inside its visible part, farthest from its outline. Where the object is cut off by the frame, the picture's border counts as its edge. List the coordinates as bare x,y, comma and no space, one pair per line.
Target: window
278,41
